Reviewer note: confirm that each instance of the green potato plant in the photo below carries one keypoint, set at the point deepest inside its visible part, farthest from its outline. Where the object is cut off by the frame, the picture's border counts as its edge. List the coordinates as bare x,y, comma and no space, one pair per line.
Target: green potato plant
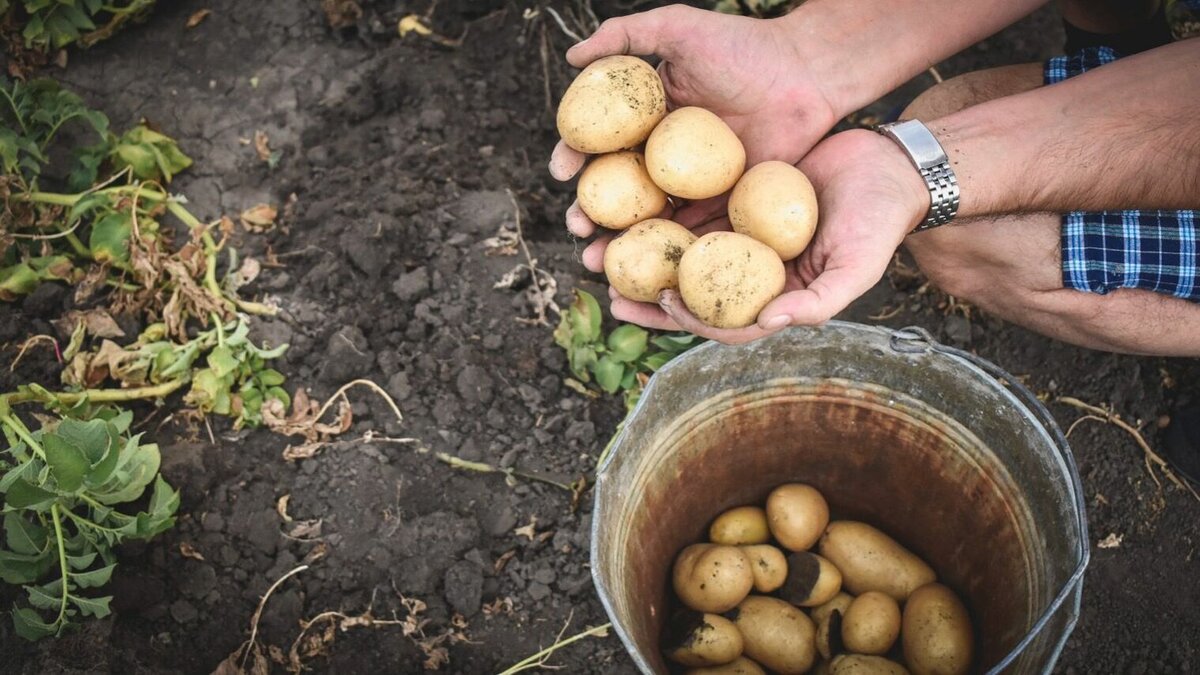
54,24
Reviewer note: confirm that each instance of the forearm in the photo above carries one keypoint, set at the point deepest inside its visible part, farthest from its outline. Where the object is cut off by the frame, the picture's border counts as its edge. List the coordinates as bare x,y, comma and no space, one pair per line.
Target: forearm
866,48
1123,136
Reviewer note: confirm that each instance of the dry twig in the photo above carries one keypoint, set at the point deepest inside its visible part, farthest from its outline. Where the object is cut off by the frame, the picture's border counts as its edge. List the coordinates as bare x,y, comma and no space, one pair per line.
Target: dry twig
539,659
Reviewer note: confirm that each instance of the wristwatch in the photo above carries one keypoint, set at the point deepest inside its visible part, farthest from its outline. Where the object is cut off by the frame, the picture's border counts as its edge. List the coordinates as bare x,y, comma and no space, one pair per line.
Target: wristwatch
927,155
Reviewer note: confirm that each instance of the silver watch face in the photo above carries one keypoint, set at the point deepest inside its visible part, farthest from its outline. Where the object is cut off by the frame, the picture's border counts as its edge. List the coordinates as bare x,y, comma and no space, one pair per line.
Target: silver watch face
926,152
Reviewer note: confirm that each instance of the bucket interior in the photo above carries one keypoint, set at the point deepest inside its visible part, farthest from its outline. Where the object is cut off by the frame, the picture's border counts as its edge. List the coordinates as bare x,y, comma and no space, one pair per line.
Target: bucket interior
877,455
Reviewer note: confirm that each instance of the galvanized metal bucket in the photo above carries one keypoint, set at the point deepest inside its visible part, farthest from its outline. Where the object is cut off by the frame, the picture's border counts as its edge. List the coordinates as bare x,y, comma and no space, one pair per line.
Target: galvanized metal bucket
942,450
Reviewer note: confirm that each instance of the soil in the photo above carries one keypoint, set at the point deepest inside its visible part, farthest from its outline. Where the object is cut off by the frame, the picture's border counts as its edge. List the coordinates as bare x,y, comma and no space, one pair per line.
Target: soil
399,153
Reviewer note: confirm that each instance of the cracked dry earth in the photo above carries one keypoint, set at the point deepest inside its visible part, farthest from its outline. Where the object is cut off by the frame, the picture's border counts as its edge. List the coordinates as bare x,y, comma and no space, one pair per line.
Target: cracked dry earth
399,154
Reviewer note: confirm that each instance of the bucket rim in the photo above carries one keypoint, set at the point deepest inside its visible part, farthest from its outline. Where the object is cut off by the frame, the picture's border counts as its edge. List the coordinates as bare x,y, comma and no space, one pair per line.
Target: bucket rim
908,340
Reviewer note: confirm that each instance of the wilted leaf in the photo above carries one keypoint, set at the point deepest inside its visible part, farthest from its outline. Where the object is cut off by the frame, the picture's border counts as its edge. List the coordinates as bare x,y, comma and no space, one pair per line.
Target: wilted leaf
341,13
197,18
259,218
528,531
188,551
97,322
262,146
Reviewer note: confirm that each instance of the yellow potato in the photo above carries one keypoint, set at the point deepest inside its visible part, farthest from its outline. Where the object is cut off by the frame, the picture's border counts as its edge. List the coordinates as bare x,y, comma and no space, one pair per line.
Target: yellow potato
869,560
740,666
726,279
840,602
615,191
936,632
768,565
712,578
776,634
829,634
871,624
698,639
742,525
693,154
858,664
797,515
612,105
774,203
644,260
811,580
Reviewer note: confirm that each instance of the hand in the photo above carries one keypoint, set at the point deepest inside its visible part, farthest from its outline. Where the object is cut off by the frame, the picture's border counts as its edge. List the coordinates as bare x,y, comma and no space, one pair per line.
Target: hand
869,197
750,72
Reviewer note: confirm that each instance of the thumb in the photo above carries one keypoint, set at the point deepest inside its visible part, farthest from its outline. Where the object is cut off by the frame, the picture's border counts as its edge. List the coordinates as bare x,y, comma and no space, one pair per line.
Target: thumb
643,34
827,295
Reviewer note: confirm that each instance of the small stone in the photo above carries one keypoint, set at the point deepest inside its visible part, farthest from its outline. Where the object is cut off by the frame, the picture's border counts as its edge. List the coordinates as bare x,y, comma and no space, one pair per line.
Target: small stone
581,432
398,386
185,612
545,576
500,522
464,587
538,591
493,342
483,212
348,356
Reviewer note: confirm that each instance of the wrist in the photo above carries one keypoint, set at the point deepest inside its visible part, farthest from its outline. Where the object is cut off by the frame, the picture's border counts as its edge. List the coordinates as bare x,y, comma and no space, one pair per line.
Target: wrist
903,180
815,38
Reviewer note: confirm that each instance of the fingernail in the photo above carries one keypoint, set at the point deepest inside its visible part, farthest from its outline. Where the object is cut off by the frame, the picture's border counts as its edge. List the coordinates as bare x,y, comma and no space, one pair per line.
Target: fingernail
777,322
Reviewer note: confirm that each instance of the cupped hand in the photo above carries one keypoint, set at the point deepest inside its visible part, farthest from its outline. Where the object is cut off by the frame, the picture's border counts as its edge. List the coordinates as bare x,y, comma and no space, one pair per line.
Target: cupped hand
748,71
869,198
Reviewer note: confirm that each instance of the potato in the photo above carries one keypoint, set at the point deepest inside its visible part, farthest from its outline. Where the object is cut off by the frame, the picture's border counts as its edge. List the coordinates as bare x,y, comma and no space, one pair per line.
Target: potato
774,203
644,261
698,639
768,565
840,602
811,580
742,525
776,634
615,191
797,515
936,632
871,624
872,561
712,578
693,154
829,634
740,666
612,105
858,664
726,279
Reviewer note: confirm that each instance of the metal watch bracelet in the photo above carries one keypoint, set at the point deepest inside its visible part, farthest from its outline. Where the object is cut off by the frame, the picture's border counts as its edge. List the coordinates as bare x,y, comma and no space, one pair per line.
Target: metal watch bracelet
929,158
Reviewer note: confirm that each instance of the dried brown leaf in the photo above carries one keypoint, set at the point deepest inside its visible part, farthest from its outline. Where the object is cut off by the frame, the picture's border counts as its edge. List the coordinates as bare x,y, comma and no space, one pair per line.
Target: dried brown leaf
262,146
1113,540
529,530
281,508
259,218
189,551
306,529
97,322
498,566
341,13
293,453
197,18
319,551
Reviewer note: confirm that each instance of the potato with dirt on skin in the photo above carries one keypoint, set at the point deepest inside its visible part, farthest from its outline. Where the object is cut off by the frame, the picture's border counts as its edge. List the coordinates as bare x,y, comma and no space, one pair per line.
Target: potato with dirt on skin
871,624
616,192
861,664
775,203
811,580
700,639
829,634
769,566
869,560
936,632
612,105
840,602
644,260
797,515
740,666
694,154
712,578
776,634
741,525
726,279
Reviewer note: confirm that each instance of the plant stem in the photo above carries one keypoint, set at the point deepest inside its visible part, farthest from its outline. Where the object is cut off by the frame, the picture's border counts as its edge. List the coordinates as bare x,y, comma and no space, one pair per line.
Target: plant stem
95,395
62,563
13,422
539,658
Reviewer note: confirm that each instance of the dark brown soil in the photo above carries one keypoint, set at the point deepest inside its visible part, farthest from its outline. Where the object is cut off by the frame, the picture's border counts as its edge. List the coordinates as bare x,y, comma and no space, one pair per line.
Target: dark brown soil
399,153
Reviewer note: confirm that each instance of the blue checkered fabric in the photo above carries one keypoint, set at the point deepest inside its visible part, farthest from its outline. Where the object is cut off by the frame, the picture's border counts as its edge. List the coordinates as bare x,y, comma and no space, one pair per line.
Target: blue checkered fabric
1103,251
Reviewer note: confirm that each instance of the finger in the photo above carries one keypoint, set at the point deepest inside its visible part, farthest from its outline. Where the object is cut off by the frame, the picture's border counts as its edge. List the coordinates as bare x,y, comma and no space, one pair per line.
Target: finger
828,294
642,313
702,211
565,162
578,223
652,32
672,305
593,255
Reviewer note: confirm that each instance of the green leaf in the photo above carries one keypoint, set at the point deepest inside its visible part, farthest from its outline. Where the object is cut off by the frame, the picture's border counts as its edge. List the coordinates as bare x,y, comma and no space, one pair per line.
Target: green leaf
676,343
140,470
222,361
91,437
629,379
24,495
81,562
109,240
97,607
68,464
29,625
608,373
23,536
271,378
582,360
94,578
17,280
657,360
627,342
17,568
41,599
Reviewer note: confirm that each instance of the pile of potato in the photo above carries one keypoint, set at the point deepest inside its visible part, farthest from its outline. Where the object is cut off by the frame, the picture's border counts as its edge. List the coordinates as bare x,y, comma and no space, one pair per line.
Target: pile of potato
617,109
861,605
